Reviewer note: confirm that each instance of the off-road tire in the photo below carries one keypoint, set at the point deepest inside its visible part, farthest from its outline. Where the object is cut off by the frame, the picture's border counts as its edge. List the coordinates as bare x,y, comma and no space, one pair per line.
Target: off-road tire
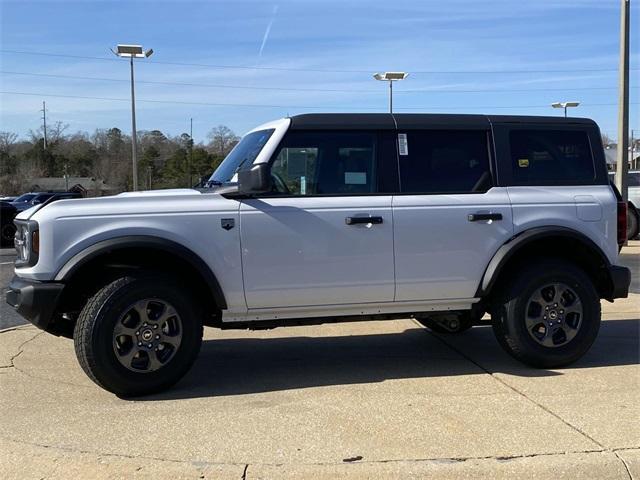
508,313
94,329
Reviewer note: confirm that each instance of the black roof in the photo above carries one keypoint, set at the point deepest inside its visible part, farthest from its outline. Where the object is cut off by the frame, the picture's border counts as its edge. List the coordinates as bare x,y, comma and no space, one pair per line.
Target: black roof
388,121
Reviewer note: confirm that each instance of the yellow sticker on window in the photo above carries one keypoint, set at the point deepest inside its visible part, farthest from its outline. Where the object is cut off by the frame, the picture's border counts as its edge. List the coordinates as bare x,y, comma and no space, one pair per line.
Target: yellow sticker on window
523,162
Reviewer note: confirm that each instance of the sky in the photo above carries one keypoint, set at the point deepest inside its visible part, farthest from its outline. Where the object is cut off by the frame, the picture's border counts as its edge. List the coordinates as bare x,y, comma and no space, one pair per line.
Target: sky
242,63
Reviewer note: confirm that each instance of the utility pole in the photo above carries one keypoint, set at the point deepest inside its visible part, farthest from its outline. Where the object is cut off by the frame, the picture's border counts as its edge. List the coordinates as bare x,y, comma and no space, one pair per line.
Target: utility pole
190,153
66,178
623,109
44,123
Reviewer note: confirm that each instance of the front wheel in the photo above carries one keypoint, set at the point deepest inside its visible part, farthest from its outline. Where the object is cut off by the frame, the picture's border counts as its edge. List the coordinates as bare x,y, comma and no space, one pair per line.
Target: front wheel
138,335
547,315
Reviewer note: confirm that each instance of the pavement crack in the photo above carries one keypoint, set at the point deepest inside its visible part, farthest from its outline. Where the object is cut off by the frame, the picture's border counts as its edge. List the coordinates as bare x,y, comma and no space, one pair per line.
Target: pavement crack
522,394
626,467
499,458
16,328
20,350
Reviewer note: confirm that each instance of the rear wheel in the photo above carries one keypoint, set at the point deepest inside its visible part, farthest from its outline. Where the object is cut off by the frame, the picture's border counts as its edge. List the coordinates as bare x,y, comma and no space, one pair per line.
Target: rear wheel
548,315
138,335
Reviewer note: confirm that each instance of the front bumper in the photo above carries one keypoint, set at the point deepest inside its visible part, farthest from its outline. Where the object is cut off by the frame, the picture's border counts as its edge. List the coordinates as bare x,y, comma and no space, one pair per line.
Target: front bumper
35,301
620,281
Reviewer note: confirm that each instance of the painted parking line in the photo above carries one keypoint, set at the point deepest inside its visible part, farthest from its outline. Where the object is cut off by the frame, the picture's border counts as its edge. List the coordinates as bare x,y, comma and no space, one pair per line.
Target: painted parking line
6,263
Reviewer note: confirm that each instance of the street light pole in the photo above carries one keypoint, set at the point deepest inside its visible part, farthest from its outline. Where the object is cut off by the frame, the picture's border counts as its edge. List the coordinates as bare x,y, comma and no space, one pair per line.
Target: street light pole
134,137
131,52
565,105
390,77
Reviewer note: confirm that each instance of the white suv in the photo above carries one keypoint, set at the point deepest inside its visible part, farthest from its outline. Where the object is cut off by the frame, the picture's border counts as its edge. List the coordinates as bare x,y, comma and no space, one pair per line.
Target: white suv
332,217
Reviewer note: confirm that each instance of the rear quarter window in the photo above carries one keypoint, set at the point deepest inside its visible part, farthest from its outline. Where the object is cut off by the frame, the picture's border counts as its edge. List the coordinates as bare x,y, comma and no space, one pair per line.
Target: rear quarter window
551,157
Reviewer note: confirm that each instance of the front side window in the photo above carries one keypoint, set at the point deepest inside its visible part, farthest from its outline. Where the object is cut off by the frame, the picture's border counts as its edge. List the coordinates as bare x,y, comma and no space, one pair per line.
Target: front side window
325,163
242,156
444,161
551,157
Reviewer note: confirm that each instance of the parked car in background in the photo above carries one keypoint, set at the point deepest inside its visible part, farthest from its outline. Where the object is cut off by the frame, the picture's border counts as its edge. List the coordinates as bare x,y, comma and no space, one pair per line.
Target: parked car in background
7,228
7,199
31,199
633,210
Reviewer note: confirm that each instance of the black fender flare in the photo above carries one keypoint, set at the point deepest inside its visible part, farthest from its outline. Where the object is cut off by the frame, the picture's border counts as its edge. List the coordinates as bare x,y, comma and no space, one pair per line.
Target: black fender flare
511,247
144,241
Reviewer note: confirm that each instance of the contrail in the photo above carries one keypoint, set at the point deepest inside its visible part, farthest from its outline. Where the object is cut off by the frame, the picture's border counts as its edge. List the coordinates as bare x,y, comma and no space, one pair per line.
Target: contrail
268,30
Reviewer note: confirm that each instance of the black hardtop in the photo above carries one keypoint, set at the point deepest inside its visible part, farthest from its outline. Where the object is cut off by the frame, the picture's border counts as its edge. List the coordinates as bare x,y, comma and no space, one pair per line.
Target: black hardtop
388,121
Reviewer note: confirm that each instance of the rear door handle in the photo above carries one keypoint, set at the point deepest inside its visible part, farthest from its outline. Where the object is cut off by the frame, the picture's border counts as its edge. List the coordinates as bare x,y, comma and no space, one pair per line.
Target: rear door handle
476,217
363,220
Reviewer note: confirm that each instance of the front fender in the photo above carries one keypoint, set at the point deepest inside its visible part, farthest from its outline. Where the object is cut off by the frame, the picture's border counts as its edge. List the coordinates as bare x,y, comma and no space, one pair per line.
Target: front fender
142,241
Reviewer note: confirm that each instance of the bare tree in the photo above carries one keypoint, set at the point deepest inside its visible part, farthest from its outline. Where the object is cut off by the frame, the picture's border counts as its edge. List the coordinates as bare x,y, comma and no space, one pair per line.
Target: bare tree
222,140
606,139
7,139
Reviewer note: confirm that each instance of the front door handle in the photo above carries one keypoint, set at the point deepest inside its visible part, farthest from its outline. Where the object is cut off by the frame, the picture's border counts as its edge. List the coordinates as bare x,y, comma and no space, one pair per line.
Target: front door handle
363,220
476,217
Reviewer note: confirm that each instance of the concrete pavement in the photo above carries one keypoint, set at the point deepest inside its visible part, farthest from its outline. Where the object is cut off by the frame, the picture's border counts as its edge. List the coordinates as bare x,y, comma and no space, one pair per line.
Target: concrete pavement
361,400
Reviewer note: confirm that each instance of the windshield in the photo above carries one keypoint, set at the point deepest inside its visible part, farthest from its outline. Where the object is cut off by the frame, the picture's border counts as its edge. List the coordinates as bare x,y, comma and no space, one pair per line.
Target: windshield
24,198
242,155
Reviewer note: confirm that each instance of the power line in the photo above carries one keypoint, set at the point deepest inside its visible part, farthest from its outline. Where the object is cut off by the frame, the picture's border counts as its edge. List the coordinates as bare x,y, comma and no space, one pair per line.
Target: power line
315,107
318,70
297,89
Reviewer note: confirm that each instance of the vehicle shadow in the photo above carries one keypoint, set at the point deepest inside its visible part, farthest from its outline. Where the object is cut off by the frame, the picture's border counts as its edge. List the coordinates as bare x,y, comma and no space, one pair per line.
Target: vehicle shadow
243,366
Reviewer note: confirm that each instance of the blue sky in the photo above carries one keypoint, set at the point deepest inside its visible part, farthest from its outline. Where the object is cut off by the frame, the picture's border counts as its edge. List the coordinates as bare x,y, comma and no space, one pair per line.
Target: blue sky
312,56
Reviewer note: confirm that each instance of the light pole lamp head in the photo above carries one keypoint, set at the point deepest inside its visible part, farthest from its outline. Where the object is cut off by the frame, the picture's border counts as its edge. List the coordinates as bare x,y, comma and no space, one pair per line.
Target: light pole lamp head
390,76
132,51
564,104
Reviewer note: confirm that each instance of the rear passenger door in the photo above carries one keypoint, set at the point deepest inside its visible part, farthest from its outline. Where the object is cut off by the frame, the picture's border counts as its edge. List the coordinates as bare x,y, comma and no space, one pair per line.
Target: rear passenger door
449,217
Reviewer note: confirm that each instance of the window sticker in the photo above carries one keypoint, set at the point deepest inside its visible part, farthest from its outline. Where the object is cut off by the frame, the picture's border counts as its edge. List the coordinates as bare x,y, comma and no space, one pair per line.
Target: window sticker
403,145
355,178
523,162
303,185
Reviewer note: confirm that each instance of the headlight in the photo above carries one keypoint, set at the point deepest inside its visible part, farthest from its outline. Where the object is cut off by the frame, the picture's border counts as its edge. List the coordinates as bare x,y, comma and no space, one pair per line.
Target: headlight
27,243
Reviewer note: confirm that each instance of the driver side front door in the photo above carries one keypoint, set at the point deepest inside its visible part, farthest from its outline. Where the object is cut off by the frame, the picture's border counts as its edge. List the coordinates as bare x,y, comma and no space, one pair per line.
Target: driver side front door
325,237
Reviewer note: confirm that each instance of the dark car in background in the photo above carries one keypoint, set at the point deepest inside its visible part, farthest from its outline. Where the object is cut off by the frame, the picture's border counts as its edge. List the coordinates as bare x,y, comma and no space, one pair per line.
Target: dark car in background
7,228
633,208
31,199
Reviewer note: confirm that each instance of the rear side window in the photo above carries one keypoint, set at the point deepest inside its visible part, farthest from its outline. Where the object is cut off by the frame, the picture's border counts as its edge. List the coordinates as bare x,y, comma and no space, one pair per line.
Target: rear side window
326,163
551,157
444,161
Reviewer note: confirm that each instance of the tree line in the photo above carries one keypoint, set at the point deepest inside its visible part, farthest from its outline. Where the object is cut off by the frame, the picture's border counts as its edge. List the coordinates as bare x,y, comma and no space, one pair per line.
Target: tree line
164,161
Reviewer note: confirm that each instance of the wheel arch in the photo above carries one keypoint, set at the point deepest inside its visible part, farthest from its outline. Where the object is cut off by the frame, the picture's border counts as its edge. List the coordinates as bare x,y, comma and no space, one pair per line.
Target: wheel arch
566,242
146,248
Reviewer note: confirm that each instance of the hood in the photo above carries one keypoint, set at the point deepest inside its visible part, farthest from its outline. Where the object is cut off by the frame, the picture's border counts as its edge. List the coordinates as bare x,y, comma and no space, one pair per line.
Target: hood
130,203
159,193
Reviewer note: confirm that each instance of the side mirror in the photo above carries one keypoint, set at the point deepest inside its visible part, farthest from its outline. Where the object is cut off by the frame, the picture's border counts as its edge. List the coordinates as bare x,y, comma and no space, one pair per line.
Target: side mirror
254,180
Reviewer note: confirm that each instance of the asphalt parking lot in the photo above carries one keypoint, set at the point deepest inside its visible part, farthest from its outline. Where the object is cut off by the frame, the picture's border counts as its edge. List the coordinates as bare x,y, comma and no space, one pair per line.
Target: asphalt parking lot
363,400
